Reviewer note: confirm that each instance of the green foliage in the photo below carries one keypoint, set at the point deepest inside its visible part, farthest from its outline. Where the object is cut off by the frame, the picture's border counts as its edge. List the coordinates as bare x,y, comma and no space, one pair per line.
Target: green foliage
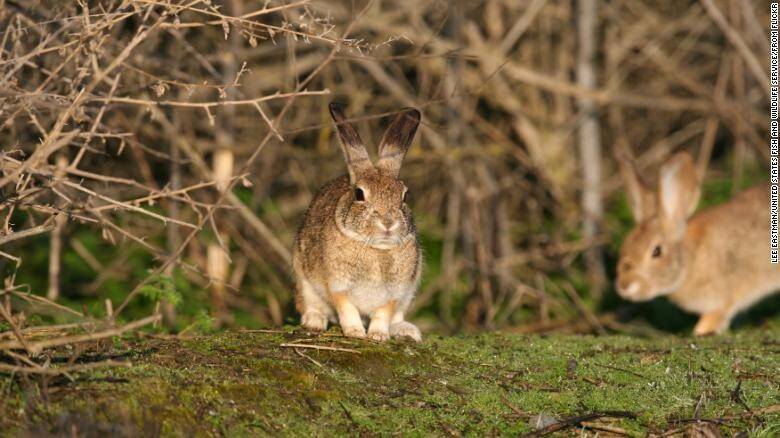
244,194
161,287
204,323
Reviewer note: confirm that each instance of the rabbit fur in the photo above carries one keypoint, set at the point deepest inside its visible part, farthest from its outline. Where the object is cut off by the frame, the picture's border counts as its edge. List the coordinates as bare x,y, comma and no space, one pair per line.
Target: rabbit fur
356,254
714,263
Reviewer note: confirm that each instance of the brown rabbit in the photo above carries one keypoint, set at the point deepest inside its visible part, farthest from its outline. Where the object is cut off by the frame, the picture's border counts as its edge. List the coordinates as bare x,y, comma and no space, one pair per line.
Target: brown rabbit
356,253
714,263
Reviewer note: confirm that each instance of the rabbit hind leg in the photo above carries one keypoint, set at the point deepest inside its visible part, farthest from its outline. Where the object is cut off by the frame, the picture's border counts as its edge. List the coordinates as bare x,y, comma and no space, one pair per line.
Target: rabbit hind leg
314,310
401,328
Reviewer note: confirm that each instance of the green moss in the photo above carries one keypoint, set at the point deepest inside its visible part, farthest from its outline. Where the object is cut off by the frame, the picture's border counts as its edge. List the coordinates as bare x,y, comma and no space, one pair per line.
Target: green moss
241,384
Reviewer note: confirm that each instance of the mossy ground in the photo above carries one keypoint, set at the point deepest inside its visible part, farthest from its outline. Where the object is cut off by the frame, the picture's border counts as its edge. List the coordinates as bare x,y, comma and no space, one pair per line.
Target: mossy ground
247,383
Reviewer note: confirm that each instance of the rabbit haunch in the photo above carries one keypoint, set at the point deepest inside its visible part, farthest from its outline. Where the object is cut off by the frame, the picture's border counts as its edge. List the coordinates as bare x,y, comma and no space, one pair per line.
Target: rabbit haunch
356,254
714,263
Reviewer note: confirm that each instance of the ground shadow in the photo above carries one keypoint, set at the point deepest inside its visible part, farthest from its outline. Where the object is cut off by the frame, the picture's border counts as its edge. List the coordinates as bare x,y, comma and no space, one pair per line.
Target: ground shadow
663,315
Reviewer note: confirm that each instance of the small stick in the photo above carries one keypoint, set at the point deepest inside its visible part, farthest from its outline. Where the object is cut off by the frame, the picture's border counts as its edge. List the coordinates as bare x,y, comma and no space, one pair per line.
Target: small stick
55,247
43,228
15,328
46,328
37,347
589,316
211,104
771,409
301,354
63,370
109,309
621,369
736,40
605,428
43,300
128,206
320,347
514,408
262,331
569,422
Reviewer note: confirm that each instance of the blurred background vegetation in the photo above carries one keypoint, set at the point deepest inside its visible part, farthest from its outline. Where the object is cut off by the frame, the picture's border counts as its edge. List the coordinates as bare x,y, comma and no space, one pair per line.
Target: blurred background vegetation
158,155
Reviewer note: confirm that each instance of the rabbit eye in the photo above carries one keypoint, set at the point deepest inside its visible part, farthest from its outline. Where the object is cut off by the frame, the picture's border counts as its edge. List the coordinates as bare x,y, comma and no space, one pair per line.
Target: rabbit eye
657,251
359,195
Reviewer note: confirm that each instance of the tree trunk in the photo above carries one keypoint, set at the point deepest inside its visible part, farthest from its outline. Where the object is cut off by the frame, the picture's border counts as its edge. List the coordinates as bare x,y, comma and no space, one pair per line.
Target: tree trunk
55,249
589,137
218,259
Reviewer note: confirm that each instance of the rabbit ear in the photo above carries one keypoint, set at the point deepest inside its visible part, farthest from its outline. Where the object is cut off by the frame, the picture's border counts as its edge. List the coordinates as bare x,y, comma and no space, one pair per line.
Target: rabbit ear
641,198
396,141
678,192
354,152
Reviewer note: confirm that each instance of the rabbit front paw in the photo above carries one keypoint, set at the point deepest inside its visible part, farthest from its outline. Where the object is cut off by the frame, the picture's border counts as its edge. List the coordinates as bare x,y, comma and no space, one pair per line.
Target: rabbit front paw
355,331
378,335
712,324
405,329
314,321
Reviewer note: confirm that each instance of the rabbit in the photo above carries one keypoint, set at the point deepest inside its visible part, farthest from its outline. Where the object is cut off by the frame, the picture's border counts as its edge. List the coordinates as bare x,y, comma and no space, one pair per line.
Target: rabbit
356,253
714,263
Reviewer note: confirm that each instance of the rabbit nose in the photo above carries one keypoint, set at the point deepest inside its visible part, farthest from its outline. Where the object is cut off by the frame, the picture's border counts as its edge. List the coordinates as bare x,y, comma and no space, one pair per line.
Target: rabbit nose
388,224
626,286
625,266
631,289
